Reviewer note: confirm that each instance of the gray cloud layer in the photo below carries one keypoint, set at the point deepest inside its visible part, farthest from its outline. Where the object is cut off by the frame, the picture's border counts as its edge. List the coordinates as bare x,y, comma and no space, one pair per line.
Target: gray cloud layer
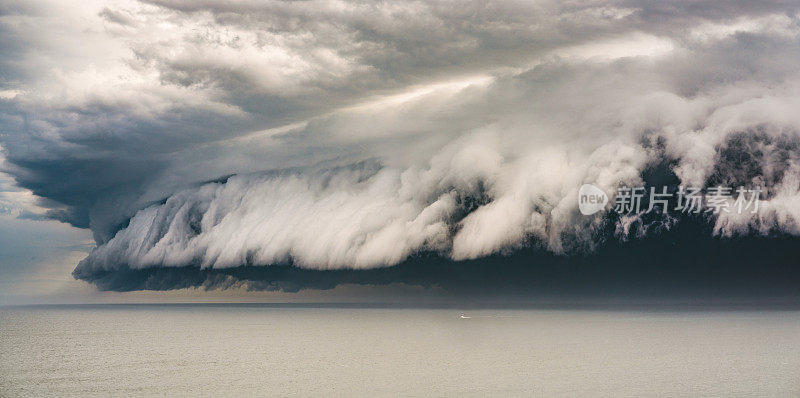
358,134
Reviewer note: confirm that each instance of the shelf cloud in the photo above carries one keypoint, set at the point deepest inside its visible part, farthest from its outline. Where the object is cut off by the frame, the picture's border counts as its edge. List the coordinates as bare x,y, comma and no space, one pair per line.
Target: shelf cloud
291,145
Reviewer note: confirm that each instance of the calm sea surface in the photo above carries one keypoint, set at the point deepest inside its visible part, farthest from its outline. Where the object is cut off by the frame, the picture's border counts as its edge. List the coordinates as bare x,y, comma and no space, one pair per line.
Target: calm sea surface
281,351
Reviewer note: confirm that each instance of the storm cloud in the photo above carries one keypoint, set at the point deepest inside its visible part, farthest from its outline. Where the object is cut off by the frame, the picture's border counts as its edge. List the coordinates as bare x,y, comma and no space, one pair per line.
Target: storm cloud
346,142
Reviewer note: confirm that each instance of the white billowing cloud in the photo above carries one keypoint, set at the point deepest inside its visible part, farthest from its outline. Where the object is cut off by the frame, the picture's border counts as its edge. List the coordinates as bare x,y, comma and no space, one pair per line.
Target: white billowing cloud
367,217
359,134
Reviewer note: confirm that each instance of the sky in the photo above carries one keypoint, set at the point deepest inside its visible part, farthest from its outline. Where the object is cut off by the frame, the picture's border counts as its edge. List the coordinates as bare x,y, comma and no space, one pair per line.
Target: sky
278,150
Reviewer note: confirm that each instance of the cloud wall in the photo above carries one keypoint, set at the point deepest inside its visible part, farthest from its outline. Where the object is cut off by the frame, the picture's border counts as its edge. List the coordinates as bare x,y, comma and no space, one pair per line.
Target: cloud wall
354,135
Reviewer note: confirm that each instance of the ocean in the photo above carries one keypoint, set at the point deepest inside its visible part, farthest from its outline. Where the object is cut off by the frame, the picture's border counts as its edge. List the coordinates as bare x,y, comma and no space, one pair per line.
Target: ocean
348,350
